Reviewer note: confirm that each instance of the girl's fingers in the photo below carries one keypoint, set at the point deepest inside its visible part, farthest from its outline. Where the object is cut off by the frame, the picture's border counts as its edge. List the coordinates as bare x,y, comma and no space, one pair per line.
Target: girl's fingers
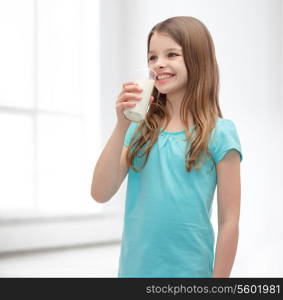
129,83
129,96
125,104
133,88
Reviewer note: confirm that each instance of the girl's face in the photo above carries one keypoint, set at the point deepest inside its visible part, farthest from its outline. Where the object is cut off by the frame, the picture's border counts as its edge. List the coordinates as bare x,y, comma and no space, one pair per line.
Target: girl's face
165,56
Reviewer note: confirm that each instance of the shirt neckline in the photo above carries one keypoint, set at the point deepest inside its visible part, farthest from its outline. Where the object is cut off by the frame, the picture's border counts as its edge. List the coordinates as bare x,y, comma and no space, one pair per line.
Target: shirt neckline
176,132
181,131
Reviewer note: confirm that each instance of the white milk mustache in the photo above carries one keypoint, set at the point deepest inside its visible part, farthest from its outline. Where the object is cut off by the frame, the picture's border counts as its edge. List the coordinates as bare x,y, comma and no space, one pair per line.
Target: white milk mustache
138,112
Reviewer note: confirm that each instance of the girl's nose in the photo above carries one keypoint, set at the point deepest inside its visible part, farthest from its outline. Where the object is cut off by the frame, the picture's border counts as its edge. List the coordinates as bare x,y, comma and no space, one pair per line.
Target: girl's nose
160,64
158,69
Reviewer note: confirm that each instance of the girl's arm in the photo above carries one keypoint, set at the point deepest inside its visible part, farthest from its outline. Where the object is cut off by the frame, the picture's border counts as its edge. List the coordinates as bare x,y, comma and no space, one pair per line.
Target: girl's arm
228,198
111,167
107,170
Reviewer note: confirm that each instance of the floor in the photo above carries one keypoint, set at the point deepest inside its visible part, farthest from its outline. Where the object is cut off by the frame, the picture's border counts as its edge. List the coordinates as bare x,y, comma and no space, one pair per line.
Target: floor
102,261
99,261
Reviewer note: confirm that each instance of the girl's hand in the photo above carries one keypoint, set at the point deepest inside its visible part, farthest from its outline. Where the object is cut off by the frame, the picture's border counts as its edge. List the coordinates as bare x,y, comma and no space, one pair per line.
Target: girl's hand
130,91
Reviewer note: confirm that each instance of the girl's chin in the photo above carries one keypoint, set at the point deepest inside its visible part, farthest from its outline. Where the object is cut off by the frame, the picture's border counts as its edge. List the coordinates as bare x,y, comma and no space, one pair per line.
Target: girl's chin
163,90
169,90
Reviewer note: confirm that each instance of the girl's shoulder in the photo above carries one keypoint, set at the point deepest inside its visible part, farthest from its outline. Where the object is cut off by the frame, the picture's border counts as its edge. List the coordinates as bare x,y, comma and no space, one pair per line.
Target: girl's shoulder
224,137
223,127
130,132
222,123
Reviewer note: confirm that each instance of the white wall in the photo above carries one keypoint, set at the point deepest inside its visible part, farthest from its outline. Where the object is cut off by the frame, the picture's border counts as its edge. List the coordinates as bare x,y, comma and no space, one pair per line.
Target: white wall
22,230
248,41
111,71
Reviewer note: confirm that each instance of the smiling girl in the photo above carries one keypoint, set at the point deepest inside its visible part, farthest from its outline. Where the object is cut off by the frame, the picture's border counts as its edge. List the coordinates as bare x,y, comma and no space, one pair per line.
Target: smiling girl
174,160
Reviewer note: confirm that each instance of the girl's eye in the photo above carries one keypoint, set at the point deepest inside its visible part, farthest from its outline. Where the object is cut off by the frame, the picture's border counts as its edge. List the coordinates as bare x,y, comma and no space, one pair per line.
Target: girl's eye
169,54
172,53
151,58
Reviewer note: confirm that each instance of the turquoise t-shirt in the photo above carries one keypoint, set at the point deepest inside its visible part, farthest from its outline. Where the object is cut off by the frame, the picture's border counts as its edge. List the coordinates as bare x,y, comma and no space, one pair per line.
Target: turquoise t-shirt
167,228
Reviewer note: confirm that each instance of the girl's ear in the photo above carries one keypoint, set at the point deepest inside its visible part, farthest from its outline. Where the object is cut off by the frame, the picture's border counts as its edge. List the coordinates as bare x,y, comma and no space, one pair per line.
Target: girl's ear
151,99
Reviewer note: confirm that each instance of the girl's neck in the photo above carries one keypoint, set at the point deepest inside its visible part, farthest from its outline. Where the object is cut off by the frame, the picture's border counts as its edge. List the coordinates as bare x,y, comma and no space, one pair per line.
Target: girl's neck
174,106
174,109
175,121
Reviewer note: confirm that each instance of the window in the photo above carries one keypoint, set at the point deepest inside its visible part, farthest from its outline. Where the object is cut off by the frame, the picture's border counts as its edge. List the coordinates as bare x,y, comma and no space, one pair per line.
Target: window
49,106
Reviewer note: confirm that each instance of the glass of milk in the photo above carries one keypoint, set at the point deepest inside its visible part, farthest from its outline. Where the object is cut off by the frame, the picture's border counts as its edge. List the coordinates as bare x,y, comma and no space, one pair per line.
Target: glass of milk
144,77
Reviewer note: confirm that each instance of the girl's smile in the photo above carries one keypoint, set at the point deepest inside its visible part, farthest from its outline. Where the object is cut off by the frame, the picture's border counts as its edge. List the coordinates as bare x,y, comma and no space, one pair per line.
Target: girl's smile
164,78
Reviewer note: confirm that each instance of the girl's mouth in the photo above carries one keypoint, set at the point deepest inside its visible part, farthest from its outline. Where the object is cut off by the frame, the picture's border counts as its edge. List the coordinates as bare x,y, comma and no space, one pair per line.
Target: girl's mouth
164,78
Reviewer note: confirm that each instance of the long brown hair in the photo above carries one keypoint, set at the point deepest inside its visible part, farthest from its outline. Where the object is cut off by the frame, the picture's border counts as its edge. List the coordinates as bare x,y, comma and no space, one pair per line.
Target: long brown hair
200,98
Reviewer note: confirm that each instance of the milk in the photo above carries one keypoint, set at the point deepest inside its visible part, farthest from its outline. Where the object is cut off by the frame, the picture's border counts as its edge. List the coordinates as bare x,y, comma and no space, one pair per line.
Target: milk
139,111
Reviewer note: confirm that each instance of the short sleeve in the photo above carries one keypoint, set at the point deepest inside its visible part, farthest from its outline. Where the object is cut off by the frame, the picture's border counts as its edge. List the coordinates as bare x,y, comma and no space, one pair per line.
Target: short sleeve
130,133
225,138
